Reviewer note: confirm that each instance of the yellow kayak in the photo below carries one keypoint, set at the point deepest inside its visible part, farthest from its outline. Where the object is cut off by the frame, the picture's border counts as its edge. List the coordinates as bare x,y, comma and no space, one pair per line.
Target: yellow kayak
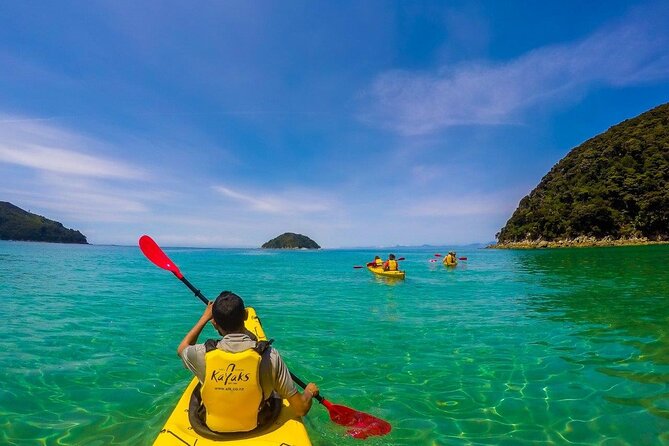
287,429
379,271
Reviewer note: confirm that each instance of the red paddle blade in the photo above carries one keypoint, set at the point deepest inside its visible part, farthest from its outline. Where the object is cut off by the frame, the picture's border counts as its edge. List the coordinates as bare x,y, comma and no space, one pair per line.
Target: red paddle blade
360,425
153,252
462,258
437,255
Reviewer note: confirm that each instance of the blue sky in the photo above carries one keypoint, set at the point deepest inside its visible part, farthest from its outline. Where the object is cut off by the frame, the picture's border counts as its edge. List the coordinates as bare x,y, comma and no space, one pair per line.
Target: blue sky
361,123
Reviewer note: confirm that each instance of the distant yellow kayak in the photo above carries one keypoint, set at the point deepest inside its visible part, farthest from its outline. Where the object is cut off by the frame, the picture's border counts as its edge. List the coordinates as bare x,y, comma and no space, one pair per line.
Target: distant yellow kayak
379,271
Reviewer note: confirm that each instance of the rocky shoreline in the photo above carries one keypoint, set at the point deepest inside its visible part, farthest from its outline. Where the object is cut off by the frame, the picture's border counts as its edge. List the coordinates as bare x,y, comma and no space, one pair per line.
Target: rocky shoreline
578,242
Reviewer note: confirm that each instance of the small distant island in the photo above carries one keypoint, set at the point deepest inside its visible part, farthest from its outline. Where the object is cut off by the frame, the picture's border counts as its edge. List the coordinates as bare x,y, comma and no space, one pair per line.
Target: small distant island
611,190
289,240
19,225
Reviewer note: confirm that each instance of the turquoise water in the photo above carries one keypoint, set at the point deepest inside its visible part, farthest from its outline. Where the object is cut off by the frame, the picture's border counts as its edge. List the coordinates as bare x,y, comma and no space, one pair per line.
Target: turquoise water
511,347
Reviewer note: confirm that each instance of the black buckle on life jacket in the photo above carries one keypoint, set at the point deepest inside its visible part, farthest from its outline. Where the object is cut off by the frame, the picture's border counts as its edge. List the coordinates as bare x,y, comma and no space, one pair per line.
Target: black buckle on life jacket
210,344
261,346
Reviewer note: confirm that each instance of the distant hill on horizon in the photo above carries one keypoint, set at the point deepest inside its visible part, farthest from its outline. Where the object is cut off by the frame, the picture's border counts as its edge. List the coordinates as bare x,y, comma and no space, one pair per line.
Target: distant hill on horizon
290,240
20,225
613,186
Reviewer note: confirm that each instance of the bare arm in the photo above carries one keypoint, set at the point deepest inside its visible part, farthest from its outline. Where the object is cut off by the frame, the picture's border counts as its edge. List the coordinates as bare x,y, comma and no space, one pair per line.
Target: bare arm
301,402
194,333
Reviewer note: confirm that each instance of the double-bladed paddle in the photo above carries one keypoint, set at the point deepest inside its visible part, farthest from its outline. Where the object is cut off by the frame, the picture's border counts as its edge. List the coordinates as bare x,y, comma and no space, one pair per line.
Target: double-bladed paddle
372,263
459,258
360,425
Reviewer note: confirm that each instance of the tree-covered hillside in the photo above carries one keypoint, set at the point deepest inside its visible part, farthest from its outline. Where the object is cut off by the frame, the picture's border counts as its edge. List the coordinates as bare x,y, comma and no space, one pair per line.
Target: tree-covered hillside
17,224
614,185
289,240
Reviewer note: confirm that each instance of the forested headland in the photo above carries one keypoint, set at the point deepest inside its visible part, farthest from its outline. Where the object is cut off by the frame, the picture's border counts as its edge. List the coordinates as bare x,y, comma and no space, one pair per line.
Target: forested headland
612,189
18,224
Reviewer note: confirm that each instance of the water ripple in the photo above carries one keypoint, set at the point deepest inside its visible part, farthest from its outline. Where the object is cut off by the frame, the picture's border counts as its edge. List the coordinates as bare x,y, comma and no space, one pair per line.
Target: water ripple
511,348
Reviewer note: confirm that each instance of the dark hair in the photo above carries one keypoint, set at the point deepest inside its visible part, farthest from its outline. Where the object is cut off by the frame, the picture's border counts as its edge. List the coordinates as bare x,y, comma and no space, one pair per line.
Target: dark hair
229,312
391,256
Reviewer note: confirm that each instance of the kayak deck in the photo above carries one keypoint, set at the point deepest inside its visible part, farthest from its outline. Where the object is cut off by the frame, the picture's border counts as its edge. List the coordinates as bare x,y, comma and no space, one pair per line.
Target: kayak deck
287,429
379,271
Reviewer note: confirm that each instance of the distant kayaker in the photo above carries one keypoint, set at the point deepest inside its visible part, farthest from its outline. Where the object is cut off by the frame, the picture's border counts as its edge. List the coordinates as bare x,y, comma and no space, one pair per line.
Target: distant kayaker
390,264
238,375
450,259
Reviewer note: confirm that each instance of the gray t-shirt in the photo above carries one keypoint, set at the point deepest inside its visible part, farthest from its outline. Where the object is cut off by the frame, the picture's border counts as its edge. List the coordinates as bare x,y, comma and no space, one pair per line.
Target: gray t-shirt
274,376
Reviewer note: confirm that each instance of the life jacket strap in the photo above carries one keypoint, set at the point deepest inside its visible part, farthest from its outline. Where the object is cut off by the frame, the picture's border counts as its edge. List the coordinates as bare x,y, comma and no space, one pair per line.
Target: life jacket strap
210,345
260,348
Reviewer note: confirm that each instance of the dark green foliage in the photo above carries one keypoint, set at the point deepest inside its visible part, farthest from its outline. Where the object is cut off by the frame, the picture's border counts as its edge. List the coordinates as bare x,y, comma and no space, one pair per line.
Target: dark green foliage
613,185
17,224
289,240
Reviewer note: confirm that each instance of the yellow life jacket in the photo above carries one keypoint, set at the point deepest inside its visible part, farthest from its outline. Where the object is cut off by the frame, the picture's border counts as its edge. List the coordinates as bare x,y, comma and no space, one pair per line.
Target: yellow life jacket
231,391
450,260
392,265
378,262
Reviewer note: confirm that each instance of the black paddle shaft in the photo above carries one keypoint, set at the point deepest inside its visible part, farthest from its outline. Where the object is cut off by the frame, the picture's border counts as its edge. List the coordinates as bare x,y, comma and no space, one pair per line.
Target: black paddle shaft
194,290
304,386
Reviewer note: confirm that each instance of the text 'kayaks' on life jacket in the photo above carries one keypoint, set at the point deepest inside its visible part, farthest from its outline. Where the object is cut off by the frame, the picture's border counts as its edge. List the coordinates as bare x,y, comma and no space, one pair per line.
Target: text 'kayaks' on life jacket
231,392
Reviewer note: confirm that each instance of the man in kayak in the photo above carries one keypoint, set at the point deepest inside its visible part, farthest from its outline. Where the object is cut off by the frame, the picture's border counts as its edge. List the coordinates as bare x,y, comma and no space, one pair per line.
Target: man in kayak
391,263
450,259
377,261
238,374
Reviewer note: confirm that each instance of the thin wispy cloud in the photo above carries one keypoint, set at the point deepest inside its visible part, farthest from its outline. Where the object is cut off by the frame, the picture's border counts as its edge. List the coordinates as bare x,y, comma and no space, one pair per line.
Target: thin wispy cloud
57,172
92,207
83,199
293,202
629,53
29,143
469,205
65,161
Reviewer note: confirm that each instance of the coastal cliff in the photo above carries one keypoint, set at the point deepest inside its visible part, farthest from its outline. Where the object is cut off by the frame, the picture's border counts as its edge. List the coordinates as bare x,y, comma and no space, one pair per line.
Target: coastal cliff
20,225
611,190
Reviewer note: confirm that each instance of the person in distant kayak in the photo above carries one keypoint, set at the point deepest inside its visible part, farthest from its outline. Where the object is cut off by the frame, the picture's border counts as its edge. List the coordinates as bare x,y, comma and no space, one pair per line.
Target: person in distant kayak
238,374
390,264
450,259
377,261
